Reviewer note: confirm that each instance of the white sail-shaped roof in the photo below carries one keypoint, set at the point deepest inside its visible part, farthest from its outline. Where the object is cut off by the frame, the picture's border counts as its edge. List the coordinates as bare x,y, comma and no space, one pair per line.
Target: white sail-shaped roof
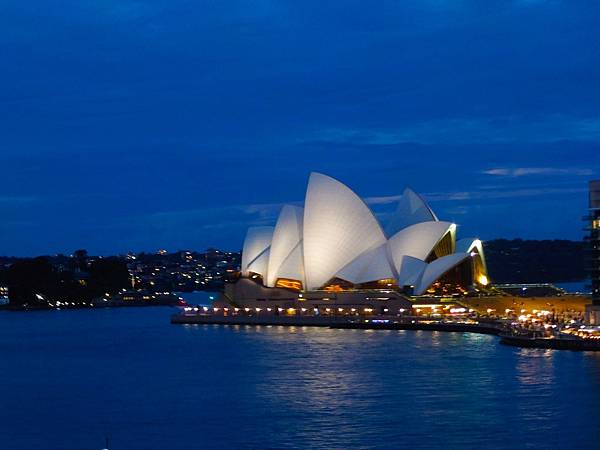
417,241
287,234
337,235
260,264
292,267
257,240
437,268
338,227
468,245
411,209
410,270
372,265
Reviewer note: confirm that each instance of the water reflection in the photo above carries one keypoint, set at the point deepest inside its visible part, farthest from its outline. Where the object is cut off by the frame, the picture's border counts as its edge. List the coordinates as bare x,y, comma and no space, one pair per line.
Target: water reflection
535,367
154,385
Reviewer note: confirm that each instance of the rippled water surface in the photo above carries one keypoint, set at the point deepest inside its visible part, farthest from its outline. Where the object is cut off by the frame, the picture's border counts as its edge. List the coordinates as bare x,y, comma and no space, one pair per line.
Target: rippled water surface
70,378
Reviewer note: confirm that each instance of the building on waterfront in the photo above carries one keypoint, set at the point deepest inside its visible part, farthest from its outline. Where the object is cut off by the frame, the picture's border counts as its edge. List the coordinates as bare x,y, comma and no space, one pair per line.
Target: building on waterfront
334,249
530,289
593,219
181,271
3,295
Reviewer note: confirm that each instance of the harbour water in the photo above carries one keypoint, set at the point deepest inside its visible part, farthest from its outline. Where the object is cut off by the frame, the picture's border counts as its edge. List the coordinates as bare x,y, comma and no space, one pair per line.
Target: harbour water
578,287
70,378
203,298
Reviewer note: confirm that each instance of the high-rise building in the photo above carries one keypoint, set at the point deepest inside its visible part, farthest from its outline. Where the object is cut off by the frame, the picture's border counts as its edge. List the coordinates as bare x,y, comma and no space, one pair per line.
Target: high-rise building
593,219
594,237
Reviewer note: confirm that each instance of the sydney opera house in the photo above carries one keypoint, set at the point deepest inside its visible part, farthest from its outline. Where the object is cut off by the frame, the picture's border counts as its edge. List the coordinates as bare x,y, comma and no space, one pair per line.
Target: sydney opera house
334,249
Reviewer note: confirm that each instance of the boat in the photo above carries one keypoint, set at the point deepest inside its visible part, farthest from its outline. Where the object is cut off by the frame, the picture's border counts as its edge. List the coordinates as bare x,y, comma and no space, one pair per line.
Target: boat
559,342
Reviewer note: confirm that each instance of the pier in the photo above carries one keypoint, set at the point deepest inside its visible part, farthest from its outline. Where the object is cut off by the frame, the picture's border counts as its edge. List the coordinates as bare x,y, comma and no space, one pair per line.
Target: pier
344,322
568,339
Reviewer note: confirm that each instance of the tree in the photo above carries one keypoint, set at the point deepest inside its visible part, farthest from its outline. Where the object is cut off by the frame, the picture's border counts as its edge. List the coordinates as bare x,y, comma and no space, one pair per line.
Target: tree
108,275
81,258
30,281
80,254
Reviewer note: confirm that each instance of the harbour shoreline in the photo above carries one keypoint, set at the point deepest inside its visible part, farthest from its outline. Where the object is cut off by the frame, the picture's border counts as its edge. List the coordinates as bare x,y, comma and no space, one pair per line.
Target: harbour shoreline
490,327
343,322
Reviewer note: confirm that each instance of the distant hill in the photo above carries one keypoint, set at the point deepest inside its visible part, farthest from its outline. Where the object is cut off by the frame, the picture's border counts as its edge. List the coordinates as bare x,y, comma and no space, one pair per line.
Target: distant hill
525,261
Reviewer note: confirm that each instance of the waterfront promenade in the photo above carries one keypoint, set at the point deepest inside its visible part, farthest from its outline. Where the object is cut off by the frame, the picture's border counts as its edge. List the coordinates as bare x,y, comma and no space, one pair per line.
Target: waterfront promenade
347,322
565,337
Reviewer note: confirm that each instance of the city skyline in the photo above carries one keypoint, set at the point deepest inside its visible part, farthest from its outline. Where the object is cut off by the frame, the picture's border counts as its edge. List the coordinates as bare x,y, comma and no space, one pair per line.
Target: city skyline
160,125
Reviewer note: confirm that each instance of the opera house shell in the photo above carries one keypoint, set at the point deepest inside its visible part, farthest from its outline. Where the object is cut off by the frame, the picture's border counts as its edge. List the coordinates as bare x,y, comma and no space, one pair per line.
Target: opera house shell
335,242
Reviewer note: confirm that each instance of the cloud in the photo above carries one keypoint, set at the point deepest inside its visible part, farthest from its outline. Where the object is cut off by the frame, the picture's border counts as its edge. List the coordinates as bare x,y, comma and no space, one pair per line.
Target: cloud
256,214
16,199
535,2
263,209
473,130
501,194
385,200
457,210
524,171
218,217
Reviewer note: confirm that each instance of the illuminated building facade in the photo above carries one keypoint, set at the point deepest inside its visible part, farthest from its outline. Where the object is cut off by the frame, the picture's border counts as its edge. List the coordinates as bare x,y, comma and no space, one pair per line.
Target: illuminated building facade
592,311
3,295
594,239
334,245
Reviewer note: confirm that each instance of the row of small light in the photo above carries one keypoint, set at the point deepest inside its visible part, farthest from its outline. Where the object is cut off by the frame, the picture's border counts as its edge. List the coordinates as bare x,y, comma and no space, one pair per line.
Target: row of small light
290,310
534,316
418,309
582,331
58,303
435,309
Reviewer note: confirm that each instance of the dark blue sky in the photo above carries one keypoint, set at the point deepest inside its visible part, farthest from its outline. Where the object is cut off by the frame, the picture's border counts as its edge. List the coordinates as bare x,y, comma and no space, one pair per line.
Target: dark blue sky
137,125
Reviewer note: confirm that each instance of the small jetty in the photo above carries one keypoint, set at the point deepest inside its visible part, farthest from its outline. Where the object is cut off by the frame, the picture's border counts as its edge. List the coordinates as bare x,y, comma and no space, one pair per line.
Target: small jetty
578,339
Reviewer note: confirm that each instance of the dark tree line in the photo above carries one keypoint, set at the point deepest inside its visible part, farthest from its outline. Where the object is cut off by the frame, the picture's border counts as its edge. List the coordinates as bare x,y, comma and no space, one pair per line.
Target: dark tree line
35,282
529,261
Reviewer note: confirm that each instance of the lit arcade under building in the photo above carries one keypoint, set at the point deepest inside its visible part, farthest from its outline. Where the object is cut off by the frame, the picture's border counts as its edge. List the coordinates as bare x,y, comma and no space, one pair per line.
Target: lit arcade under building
333,254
